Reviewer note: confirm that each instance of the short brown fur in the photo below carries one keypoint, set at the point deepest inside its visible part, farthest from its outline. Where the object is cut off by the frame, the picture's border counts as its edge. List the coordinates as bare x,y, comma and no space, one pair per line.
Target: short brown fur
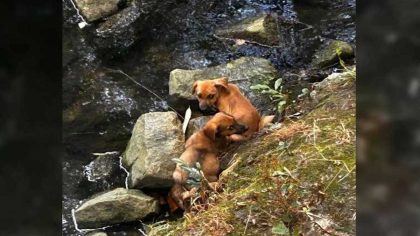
228,98
203,147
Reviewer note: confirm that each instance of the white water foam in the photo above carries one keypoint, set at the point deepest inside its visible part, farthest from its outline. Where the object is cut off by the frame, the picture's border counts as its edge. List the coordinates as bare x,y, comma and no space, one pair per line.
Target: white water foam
83,23
84,230
126,171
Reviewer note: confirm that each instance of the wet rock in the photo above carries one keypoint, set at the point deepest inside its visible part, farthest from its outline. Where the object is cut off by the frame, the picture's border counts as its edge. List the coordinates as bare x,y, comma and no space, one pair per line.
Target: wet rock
120,30
95,10
327,55
124,28
244,72
263,29
157,138
113,207
106,165
196,124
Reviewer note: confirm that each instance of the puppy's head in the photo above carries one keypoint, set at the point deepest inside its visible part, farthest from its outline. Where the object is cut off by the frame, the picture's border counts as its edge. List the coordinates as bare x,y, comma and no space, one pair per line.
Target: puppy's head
222,125
208,91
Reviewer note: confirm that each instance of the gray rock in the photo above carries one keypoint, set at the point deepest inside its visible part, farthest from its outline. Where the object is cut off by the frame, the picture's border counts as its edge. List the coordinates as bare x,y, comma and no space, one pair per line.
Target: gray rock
196,124
244,72
327,55
95,10
113,207
120,30
263,29
157,138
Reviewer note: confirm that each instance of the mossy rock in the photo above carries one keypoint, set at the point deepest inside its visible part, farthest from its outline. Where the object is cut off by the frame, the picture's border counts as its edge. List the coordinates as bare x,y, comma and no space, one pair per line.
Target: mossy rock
286,175
116,206
262,29
327,55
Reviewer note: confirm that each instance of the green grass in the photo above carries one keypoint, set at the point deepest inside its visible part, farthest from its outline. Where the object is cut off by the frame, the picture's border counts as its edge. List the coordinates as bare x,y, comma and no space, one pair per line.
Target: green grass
308,187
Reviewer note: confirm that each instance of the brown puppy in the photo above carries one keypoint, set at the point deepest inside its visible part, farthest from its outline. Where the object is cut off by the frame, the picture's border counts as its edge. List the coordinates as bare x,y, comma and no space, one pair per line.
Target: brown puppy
203,147
228,98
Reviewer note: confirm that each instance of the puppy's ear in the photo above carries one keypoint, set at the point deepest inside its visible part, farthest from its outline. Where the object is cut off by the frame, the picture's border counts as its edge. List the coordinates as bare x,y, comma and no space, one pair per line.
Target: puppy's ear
194,87
210,130
221,82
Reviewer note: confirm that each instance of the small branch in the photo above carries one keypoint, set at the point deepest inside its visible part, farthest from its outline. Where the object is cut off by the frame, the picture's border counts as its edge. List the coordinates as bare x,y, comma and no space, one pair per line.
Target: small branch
248,218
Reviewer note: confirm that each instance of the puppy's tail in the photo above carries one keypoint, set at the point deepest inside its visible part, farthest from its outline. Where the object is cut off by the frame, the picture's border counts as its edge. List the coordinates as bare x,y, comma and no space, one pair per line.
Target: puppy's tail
265,120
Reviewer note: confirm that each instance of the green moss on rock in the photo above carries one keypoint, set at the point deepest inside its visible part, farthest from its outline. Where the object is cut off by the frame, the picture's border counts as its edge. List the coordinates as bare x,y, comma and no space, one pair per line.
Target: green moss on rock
261,29
327,55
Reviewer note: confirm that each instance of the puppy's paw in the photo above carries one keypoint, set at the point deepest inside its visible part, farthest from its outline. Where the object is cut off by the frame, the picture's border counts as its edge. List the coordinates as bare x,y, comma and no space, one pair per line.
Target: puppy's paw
215,186
237,138
188,194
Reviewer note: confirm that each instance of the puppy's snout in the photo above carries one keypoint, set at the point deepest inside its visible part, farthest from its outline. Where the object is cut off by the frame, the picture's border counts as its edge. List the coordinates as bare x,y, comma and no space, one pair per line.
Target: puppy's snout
203,106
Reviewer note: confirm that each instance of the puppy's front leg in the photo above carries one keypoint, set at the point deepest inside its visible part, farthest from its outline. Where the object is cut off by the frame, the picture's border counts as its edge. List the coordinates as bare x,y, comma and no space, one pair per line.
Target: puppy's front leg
188,194
237,138
210,166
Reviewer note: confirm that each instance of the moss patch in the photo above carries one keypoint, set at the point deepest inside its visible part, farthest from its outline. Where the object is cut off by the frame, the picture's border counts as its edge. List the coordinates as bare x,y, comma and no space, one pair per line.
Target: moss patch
301,175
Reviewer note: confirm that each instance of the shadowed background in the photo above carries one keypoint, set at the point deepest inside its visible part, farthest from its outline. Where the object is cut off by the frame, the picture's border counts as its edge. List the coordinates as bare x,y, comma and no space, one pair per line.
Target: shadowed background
30,118
388,141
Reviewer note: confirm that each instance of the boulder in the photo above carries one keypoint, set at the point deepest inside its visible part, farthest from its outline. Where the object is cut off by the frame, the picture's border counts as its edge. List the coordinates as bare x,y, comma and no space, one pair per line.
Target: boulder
157,138
120,30
115,206
263,29
196,124
244,72
327,55
94,10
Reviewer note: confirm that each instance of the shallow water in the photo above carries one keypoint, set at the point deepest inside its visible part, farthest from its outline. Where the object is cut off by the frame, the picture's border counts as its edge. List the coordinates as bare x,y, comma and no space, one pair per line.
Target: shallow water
101,107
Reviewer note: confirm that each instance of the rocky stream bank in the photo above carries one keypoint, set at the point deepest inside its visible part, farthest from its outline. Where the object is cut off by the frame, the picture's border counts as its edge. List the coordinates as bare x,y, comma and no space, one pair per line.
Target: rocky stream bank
120,138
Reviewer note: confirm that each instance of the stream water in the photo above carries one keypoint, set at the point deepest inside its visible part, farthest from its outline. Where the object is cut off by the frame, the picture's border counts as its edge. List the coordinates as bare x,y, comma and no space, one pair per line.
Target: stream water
100,107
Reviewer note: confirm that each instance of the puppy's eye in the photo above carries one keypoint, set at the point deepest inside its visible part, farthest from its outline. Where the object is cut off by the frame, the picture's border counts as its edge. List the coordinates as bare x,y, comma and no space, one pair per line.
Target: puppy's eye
210,96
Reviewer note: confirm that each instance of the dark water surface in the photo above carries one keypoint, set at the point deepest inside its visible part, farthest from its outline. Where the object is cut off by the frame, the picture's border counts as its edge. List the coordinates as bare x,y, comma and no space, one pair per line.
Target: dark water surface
100,107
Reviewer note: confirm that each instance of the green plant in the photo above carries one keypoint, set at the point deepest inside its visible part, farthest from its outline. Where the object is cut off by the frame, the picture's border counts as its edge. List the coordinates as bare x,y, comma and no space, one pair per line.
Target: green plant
305,92
280,229
276,94
195,175
347,69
